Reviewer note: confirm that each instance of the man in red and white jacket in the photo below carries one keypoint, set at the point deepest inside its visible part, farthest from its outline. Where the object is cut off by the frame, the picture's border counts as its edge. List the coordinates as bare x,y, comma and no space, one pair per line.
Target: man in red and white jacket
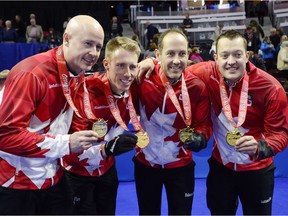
172,103
36,113
250,126
105,103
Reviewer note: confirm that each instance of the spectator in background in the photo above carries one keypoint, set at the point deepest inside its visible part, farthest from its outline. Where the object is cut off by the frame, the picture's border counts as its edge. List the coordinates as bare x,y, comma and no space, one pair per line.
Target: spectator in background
212,51
282,60
150,52
20,28
268,52
142,50
136,38
120,10
52,38
217,31
34,32
257,60
195,56
275,39
115,28
151,31
253,42
280,32
9,35
233,3
262,11
156,38
181,27
283,38
259,30
187,22
32,16
249,9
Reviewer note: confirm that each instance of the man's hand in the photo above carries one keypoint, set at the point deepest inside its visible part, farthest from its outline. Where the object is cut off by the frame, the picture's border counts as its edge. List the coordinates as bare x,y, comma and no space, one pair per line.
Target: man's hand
247,145
144,67
196,142
121,144
82,140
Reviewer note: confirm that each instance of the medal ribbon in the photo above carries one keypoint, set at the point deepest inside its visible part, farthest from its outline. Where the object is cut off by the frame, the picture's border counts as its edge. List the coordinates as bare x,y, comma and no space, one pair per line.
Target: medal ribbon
243,102
64,78
87,104
187,117
115,111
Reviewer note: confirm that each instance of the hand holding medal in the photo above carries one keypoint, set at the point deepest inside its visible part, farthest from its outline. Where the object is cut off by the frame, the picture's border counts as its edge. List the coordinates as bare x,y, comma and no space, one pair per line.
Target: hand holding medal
195,142
232,137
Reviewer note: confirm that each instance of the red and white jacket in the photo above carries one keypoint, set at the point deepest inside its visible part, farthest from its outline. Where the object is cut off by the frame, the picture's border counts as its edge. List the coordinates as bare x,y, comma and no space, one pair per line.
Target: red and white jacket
91,162
161,120
34,121
266,118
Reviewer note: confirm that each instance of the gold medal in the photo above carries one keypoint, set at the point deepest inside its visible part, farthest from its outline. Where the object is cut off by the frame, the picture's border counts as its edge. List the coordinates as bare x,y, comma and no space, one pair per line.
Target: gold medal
232,137
100,127
143,139
185,133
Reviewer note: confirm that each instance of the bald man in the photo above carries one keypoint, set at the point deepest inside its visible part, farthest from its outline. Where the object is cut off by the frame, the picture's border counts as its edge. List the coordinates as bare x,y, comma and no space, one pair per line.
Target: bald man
36,112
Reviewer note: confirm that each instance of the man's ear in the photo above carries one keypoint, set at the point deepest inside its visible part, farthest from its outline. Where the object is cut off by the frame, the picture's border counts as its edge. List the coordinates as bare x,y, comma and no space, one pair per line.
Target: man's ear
106,64
157,54
247,56
215,56
66,38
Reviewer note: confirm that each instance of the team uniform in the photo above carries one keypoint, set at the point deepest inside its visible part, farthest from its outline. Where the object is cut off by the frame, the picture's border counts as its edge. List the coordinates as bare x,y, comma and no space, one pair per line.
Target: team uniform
34,122
93,179
232,173
165,161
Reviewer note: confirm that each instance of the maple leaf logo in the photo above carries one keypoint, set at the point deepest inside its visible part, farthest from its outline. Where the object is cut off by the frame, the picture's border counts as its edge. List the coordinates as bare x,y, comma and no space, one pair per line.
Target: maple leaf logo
159,127
228,153
93,154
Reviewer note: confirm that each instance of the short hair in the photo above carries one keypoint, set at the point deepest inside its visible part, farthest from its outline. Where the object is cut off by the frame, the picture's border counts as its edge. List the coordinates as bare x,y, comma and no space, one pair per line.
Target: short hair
194,49
170,31
121,42
285,43
152,46
135,37
266,38
231,34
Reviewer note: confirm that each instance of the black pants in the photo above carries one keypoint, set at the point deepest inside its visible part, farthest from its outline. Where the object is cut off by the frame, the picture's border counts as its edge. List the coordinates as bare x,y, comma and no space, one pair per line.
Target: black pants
253,188
50,201
261,18
179,185
94,195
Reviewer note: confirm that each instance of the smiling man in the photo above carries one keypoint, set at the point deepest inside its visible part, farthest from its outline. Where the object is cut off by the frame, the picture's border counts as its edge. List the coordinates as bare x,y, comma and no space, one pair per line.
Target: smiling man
36,113
249,125
175,111
105,105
